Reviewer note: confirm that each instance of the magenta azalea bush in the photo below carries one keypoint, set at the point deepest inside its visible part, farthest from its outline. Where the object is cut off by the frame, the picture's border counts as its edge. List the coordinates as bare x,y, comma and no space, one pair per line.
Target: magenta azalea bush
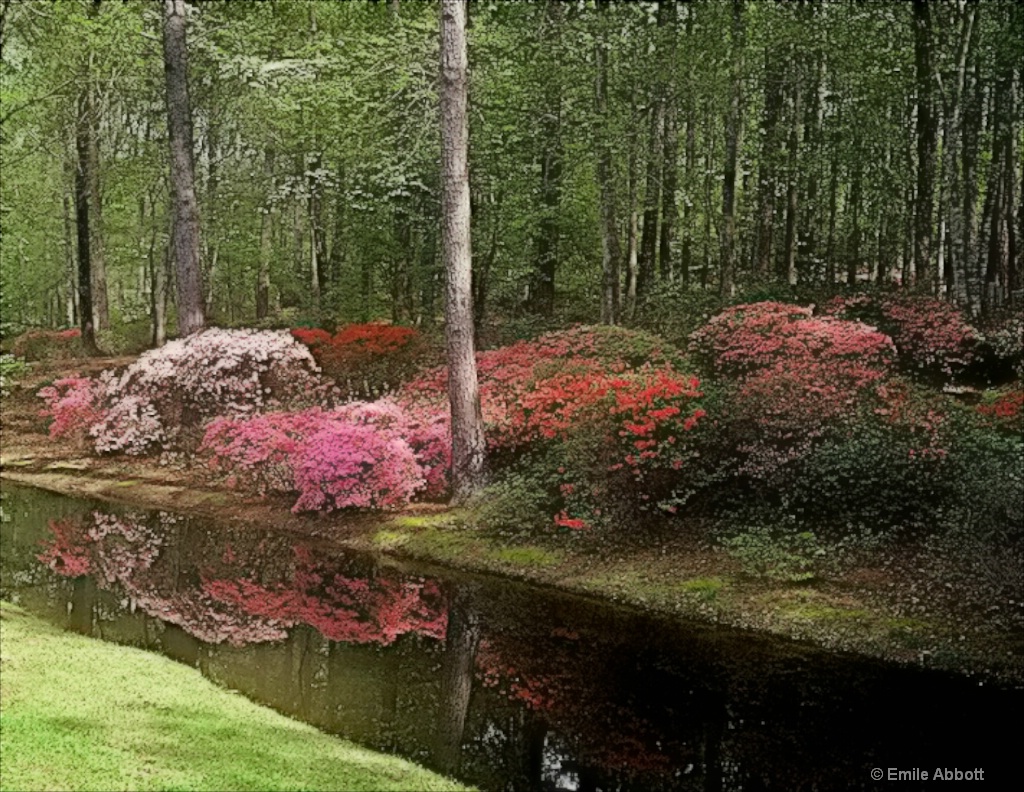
360,455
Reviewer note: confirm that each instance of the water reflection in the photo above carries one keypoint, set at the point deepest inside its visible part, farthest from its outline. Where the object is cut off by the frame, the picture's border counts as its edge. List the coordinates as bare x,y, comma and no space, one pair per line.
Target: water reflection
500,684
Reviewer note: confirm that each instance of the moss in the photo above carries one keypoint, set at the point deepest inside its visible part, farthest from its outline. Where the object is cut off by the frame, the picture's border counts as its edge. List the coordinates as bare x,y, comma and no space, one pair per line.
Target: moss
389,540
127,483
527,556
705,588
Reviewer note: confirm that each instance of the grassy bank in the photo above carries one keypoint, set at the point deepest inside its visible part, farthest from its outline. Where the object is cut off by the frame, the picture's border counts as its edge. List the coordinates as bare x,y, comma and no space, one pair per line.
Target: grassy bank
77,713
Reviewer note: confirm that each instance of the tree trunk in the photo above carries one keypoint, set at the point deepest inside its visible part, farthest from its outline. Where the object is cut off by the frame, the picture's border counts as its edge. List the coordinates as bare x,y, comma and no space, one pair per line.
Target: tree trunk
793,180
670,143
652,199
468,472
266,241
85,309
926,132
733,132
767,166
185,234
611,251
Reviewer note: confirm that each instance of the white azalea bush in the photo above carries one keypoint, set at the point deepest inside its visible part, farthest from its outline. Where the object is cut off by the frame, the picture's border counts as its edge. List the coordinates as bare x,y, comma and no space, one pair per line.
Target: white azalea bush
163,399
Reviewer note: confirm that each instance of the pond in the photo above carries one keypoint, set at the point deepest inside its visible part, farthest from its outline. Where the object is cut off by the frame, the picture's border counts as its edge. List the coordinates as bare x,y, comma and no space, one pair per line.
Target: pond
500,684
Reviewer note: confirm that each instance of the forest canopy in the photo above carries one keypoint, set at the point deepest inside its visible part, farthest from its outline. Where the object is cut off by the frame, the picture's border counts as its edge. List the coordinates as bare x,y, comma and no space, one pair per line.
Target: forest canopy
621,154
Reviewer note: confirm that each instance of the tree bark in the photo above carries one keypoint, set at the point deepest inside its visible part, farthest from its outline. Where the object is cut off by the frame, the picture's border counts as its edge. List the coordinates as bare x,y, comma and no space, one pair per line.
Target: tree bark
793,179
670,143
185,233
85,309
733,131
266,241
767,167
611,252
926,131
468,472
652,198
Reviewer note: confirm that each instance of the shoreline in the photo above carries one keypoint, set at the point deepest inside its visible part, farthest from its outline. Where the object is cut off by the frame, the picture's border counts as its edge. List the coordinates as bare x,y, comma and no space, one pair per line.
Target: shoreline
686,582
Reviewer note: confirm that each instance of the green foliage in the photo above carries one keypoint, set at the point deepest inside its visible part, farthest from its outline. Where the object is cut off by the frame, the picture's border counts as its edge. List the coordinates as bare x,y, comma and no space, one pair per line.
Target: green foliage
520,501
777,552
11,368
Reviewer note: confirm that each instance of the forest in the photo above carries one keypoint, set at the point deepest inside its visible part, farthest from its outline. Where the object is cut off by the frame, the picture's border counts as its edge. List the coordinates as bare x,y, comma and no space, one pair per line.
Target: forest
712,309
630,162
740,274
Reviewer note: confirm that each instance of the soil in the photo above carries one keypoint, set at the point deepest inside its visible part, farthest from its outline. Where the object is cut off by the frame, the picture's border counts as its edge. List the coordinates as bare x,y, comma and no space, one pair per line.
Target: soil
935,605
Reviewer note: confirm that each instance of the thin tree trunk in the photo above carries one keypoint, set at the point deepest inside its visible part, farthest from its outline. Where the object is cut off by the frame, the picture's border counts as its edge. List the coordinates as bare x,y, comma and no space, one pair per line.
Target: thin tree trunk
768,168
670,143
652,199
185,234
266,241
733,133
468,460
85,310
926,133
793,180
611,252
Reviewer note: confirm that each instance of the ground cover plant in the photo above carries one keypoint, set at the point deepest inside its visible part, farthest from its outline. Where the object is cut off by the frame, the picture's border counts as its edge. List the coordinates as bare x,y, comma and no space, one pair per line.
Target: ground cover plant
83,714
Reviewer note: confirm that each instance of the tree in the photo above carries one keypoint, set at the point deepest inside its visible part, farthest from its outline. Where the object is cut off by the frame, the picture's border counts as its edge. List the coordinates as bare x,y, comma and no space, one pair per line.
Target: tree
463,391
185,226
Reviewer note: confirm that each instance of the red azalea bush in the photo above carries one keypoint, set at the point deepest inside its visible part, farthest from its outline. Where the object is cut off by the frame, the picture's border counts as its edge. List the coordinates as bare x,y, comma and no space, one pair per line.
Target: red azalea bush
365,359
795,376
608,399
1005,410
35,345
757,336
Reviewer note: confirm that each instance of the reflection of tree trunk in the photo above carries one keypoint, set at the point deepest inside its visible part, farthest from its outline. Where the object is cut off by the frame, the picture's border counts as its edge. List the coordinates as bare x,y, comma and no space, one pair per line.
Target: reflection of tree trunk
461,642
529,752
83,605
714,731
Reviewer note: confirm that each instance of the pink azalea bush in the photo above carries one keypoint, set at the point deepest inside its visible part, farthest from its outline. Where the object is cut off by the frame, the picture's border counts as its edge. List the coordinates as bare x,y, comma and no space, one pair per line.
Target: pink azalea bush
930,334
75,405
359,455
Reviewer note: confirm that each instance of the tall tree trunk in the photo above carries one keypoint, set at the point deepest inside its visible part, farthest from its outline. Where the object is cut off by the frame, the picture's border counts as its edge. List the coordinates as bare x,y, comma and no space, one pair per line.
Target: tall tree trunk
611,252
926,132
793,181
69,266
670,143
185,234
542,290
468,460
856,198
266,240
733,132
768,168
652,198
85,310
633,232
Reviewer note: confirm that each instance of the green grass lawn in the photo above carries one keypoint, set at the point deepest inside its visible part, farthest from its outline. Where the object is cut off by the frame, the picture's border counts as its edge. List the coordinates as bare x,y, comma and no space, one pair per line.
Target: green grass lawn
77,713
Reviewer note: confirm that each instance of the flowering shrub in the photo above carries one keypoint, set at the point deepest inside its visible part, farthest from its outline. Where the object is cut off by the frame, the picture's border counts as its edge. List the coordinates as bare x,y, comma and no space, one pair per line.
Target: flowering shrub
365,359
1005,410
360,455
48,344
75,404
611,397
1006,340
796,377
930,334
164,397
747,338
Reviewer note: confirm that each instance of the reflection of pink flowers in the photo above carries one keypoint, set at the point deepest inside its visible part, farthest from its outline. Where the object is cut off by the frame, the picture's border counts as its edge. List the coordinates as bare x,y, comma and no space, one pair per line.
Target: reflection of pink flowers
67,553
355,610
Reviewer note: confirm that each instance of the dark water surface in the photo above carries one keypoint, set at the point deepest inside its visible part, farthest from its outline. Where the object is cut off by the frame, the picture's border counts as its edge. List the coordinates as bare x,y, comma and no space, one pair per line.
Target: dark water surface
500,684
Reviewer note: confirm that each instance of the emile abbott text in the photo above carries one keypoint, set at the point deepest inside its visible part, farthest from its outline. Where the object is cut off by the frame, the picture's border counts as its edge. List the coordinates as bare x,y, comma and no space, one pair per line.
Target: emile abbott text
938,774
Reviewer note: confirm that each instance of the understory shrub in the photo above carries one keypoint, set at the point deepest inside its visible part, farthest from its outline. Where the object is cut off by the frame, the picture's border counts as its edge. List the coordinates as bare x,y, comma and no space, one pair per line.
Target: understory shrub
368,359
776,552
359,455
10,369
162,400
612,396
932,336
36,345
